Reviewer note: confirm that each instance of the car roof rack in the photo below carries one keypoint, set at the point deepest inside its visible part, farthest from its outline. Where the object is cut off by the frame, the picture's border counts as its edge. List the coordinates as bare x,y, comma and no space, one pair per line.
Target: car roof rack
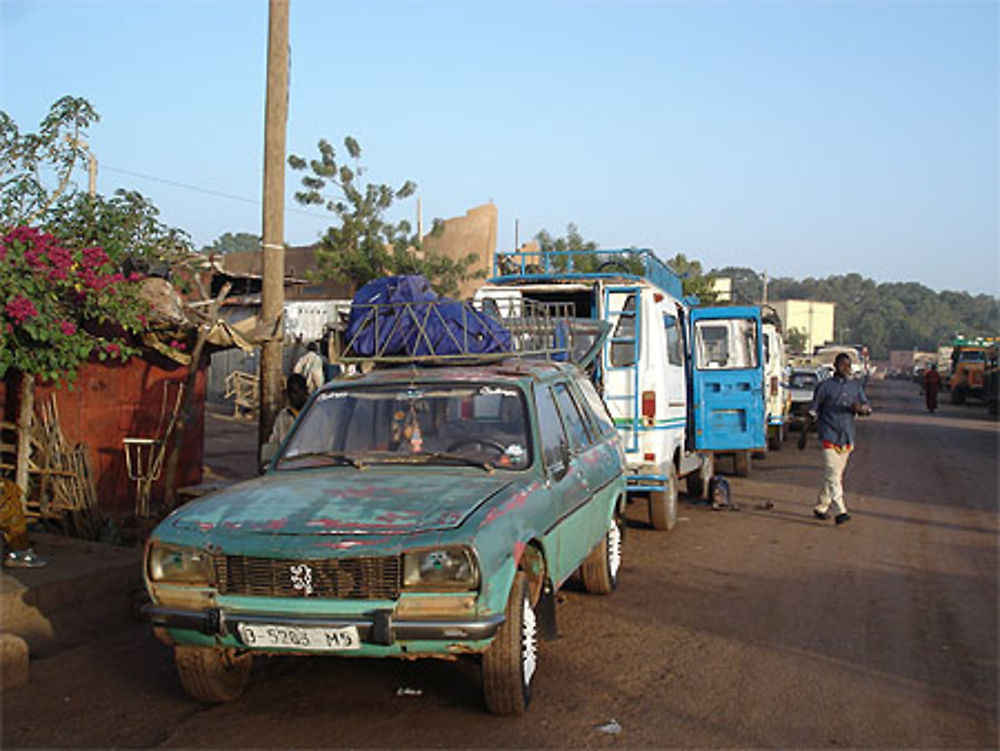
522,266
534,330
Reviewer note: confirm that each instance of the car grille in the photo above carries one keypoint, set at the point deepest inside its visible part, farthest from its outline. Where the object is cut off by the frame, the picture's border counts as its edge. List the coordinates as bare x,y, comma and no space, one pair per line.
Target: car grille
348,578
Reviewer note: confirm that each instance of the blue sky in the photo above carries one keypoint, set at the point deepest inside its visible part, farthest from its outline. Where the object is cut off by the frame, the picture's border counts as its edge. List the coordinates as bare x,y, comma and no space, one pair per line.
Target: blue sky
804,138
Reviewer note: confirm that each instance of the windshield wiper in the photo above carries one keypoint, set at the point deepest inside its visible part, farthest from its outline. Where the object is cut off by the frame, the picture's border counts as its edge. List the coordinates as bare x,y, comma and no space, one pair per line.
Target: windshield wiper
438,455
335,457
423,458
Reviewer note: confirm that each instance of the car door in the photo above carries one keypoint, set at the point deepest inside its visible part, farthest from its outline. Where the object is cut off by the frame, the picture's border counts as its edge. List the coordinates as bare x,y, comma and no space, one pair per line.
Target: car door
566,482
727,378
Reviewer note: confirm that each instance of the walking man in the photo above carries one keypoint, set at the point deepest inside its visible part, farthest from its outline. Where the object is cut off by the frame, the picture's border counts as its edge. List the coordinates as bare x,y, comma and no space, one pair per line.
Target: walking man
932,384
836,401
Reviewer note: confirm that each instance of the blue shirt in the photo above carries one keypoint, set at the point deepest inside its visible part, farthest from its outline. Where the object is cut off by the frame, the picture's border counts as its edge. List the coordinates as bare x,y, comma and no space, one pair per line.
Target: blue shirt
832,407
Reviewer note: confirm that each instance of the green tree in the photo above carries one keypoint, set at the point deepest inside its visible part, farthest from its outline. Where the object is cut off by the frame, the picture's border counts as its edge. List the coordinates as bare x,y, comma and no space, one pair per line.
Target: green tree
70,286
127,226
796,340
886,316
366,245
31,162
694,281
562,251
240,242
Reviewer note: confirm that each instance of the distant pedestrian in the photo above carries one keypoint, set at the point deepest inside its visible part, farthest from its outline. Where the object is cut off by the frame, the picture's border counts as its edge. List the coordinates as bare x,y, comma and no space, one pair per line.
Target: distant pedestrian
836,402
932,384
310,366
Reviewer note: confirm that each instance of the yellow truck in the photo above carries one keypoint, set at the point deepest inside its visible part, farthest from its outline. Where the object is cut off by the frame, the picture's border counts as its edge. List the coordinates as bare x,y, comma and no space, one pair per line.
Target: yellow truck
968,364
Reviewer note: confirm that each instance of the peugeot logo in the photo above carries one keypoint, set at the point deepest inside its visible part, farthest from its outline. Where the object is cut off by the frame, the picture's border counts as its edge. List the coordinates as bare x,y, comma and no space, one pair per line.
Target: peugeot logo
301,577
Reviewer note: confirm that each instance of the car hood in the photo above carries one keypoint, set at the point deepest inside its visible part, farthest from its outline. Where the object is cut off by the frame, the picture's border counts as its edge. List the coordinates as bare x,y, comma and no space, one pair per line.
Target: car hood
342,502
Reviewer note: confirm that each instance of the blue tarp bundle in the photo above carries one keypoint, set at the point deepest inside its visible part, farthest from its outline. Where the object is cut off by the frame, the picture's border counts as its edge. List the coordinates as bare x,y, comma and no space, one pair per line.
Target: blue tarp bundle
402,316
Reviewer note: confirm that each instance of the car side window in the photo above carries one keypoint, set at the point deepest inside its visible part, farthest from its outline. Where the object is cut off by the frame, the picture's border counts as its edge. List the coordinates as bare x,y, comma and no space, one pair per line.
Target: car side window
573,419
596,407
550,427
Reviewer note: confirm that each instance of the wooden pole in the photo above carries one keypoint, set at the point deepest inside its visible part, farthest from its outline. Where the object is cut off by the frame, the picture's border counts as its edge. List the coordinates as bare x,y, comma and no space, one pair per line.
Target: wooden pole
25,421
272,299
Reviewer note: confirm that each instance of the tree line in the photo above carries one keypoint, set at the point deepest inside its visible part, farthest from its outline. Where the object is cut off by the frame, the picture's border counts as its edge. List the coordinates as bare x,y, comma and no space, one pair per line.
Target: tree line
884,316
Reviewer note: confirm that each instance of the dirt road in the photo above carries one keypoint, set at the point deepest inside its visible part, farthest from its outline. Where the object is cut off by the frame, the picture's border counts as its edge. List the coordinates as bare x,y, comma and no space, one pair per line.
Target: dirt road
759,628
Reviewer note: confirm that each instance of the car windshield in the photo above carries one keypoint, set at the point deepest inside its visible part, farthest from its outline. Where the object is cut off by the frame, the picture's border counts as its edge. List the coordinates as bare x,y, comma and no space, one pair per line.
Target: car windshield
803,380
467,423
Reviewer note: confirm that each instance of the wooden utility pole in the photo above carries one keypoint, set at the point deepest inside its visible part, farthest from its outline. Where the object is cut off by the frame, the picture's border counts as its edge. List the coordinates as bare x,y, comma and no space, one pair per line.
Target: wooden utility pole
272,298
92,175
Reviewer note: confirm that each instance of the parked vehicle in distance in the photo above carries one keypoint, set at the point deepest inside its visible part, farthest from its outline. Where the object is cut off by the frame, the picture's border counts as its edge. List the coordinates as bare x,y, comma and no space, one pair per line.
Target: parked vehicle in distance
968,359
776,402
991,378
412,512
802,382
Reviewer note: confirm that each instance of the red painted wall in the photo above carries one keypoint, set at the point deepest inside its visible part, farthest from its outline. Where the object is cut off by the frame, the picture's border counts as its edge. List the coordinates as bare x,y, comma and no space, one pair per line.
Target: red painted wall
111,401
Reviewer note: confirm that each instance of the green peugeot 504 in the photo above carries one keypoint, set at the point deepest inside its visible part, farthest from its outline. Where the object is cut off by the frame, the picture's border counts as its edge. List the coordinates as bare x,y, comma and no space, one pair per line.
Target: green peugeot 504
411,512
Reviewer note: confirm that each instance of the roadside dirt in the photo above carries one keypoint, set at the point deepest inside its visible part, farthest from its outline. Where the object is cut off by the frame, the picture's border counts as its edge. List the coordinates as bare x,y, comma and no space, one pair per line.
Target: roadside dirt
761,628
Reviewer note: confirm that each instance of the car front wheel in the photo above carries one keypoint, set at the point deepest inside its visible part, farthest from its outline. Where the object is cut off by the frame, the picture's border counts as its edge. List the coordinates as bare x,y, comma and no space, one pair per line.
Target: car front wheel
212,675
510,662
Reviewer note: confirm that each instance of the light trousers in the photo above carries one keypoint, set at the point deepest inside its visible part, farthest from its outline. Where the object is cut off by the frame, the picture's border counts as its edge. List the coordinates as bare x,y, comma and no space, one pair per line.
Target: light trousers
832,491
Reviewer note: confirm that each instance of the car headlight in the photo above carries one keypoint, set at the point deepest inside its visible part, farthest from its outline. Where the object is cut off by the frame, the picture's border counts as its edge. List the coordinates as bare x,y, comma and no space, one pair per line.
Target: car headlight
440,568
175,565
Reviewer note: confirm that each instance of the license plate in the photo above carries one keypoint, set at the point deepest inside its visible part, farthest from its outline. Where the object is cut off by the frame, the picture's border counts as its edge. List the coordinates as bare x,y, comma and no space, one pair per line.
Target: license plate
299,637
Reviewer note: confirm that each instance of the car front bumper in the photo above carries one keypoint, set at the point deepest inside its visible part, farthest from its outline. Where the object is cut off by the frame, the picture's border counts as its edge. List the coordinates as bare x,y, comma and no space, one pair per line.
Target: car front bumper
378,627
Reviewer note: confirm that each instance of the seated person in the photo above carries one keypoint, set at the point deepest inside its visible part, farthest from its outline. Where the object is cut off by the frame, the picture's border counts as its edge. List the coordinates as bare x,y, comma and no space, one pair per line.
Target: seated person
297,394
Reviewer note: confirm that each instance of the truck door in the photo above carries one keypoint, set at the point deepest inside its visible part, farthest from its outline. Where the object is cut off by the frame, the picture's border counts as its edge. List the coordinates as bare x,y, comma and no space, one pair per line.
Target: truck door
622,309
727,378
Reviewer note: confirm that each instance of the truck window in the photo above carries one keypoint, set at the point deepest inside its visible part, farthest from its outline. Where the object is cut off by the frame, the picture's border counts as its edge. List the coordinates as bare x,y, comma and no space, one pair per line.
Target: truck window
673,339
623,353
726,344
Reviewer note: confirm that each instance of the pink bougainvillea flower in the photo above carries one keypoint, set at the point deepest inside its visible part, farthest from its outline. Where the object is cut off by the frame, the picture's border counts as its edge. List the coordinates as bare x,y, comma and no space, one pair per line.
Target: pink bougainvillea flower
94,257
112,349
20,308
68,327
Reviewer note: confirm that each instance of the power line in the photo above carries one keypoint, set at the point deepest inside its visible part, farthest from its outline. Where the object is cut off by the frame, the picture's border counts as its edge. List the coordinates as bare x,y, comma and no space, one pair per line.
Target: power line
207,191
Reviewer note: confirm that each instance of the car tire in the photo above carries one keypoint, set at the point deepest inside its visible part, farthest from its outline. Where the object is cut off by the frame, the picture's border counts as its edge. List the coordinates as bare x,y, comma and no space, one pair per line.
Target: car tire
663,503
510,661
697,482
212,676
742,463
599,572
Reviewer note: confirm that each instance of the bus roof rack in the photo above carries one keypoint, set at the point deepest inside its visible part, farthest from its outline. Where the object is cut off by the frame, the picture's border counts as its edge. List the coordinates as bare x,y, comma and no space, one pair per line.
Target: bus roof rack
522,266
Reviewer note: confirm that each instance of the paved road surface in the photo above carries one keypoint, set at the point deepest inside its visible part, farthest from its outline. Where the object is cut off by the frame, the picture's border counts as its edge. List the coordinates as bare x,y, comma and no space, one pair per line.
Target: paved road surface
763,628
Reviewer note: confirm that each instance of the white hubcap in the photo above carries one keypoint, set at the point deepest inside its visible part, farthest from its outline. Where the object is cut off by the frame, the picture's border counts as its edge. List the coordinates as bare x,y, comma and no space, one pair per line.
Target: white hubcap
614,548
529,642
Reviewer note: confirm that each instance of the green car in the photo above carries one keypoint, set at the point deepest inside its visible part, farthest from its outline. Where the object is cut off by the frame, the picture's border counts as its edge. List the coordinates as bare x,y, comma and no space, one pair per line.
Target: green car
411,512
